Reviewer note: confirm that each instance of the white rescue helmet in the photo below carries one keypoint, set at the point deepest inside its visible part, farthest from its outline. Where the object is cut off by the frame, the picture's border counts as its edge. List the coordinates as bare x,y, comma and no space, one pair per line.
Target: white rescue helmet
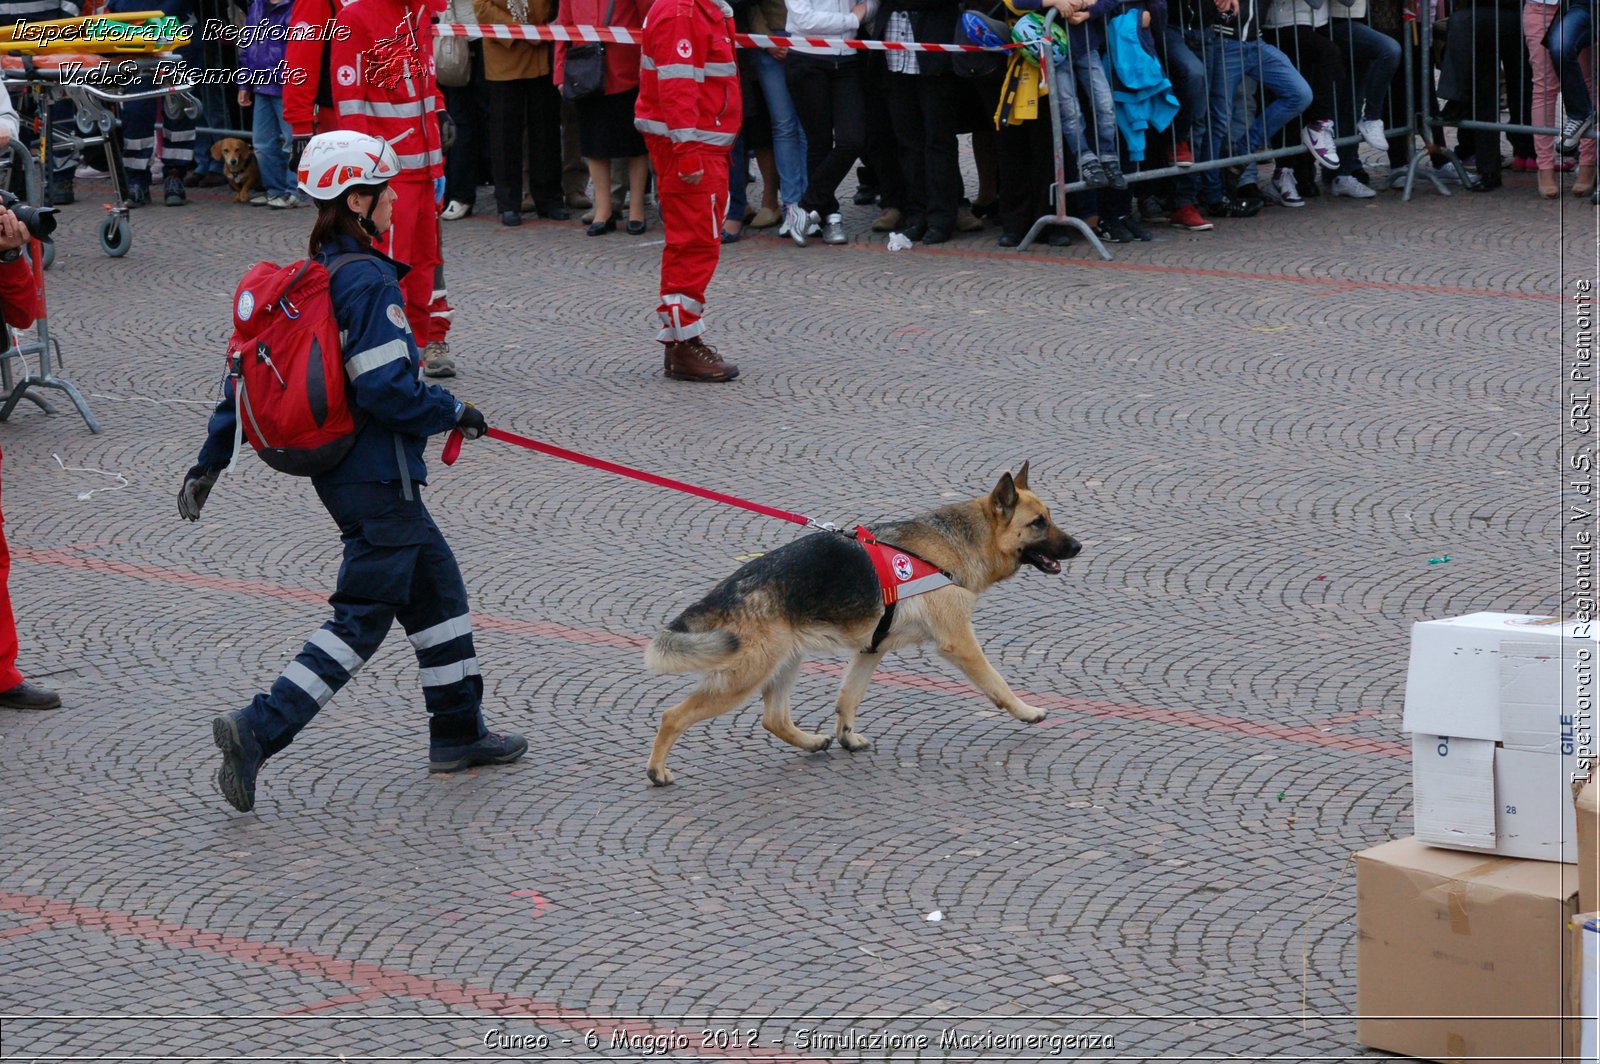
333,163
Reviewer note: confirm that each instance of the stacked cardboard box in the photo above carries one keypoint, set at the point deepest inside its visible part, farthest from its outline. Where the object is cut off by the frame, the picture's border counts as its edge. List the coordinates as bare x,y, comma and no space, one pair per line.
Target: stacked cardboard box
1469,952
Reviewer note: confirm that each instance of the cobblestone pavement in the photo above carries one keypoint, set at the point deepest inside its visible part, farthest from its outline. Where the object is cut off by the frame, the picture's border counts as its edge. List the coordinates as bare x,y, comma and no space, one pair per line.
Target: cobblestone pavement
1261,434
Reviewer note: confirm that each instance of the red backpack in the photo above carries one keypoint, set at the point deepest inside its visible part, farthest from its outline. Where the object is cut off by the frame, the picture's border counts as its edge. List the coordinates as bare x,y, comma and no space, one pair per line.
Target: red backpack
288,369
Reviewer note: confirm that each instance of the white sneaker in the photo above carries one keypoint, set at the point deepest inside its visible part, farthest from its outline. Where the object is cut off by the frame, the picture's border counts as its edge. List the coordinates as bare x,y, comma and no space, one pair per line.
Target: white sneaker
833,230
455,210
258,199
1283,190
279,203
1318,136
1371,130
1350,185
795,224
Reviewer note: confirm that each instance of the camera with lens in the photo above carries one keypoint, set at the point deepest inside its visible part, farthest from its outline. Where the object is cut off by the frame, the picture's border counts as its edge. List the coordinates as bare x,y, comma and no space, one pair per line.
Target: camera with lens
40,221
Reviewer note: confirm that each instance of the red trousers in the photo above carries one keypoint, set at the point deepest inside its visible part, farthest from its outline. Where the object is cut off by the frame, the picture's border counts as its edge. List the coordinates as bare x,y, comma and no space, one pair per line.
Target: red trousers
413,238
692,217
9,676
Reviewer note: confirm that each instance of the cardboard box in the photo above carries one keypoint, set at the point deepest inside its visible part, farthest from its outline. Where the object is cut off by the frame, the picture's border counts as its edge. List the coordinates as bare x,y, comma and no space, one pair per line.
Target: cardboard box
1586,953
1460,955
1588,815
1499,716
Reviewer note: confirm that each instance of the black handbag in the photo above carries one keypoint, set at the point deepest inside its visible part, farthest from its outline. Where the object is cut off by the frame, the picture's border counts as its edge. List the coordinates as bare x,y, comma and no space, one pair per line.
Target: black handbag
586,67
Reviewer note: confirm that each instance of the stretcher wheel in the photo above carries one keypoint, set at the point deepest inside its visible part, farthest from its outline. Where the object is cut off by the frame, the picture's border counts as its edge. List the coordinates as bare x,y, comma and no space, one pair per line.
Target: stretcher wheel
116,237
49,255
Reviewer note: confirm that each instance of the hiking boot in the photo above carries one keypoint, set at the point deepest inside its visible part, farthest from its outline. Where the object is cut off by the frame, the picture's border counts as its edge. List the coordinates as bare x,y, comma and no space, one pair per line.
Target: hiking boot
436,360
492,749
29,696
889,221
241,759
695,360
172,190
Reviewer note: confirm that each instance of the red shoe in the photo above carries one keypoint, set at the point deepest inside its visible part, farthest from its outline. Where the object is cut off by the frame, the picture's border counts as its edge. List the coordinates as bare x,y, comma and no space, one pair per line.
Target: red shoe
1189,218
1181,154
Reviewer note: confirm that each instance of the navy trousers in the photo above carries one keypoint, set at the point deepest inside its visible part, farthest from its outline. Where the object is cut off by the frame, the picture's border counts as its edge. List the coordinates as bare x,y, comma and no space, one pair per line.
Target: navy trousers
397,565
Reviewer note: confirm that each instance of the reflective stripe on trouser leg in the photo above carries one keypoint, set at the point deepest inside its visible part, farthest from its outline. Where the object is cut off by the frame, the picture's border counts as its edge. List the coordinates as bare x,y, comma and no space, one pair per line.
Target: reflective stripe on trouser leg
437,623
138,134
691,215
326,663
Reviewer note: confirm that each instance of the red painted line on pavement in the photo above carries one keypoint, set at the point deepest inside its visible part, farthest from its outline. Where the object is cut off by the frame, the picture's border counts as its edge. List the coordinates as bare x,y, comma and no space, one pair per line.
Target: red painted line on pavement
1302,735
374,978
26,929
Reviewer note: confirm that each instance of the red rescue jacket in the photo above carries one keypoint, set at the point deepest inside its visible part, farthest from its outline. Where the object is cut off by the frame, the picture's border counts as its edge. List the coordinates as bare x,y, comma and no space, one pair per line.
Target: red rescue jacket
688,79
302,99
383,82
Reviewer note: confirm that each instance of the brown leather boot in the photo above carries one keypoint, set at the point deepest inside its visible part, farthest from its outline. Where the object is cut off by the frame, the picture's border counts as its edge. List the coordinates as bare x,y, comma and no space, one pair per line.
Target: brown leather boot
695,360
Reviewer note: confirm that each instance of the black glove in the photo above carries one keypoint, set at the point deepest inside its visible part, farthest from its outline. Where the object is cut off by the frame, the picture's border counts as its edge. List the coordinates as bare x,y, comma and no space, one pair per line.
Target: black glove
447,130
196,489
297,147
471,421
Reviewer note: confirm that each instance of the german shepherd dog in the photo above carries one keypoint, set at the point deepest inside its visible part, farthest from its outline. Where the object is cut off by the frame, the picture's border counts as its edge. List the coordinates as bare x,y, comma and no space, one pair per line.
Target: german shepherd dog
753,630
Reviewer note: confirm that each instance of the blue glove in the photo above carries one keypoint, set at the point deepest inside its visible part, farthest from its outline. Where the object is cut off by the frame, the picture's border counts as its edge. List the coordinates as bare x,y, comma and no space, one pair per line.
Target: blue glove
438,191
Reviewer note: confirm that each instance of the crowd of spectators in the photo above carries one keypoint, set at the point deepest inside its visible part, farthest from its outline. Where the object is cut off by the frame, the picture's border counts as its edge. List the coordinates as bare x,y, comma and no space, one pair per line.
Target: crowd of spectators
1307,82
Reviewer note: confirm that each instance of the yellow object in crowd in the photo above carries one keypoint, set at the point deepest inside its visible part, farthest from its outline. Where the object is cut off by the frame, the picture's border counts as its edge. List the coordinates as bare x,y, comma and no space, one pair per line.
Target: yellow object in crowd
133,32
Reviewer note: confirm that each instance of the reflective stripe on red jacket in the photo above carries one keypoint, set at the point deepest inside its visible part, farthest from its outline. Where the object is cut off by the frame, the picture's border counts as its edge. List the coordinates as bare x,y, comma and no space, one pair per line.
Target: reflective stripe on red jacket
383,81
688,77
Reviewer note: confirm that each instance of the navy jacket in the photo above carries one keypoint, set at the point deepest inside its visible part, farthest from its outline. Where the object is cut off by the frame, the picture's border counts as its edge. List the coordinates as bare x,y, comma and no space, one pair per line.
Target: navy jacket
384,370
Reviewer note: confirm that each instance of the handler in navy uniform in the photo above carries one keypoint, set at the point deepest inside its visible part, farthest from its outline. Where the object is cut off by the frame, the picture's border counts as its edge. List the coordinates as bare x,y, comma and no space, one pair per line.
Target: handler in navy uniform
396,562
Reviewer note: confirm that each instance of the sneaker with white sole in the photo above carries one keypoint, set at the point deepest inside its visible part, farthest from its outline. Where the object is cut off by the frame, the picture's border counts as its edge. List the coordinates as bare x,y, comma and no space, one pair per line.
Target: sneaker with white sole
1350,185
1372,131
833,230
1318,137
798,223
1572,134
1282,189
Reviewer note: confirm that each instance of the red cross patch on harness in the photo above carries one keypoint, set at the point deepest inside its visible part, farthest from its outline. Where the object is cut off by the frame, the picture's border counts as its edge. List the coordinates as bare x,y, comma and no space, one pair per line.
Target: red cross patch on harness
901,574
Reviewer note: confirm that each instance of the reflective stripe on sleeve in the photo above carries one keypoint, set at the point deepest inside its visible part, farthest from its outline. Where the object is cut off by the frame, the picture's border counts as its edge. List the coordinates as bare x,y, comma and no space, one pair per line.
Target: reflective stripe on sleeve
373,357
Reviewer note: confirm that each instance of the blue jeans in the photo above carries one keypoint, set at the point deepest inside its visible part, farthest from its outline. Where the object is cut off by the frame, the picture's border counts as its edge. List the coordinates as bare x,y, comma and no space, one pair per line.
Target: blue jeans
788,139
1375,56
272,137
1228,63
1188,77
1569,38
1091,75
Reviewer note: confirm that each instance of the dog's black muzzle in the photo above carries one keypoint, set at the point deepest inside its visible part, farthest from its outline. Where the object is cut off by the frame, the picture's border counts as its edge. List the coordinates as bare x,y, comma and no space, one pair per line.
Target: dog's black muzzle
1048,556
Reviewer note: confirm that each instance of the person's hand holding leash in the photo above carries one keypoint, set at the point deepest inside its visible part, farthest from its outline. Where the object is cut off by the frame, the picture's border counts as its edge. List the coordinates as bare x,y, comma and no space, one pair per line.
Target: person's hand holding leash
197,484
470,421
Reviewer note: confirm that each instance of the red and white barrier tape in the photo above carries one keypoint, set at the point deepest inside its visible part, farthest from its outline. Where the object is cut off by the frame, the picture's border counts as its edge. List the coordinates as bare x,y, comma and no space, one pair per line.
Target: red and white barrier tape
623,35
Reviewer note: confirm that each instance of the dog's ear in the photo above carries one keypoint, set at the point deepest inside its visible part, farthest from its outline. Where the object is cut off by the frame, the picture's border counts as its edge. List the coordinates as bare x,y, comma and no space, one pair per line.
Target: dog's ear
1022,477
1004,497
216,150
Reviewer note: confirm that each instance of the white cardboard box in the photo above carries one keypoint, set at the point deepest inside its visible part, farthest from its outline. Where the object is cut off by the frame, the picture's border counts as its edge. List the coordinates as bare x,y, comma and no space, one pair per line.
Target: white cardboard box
1493,702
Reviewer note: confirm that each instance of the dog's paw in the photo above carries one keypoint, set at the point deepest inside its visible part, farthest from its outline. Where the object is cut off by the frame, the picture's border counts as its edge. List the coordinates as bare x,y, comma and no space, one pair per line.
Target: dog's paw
854,741
661,777
815,743
1028,714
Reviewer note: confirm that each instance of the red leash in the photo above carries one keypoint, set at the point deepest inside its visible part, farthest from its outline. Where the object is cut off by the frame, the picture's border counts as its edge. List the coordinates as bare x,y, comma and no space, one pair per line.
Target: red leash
452,450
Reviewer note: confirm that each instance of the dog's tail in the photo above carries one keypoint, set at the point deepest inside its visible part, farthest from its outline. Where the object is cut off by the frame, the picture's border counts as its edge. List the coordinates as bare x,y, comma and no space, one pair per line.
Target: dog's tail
678,651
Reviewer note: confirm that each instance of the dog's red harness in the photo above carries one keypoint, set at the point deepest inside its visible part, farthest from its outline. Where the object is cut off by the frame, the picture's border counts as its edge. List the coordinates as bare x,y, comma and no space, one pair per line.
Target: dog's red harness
901,575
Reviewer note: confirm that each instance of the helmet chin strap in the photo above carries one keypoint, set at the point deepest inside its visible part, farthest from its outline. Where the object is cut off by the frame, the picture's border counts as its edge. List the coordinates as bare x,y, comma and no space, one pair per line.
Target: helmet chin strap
365,220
